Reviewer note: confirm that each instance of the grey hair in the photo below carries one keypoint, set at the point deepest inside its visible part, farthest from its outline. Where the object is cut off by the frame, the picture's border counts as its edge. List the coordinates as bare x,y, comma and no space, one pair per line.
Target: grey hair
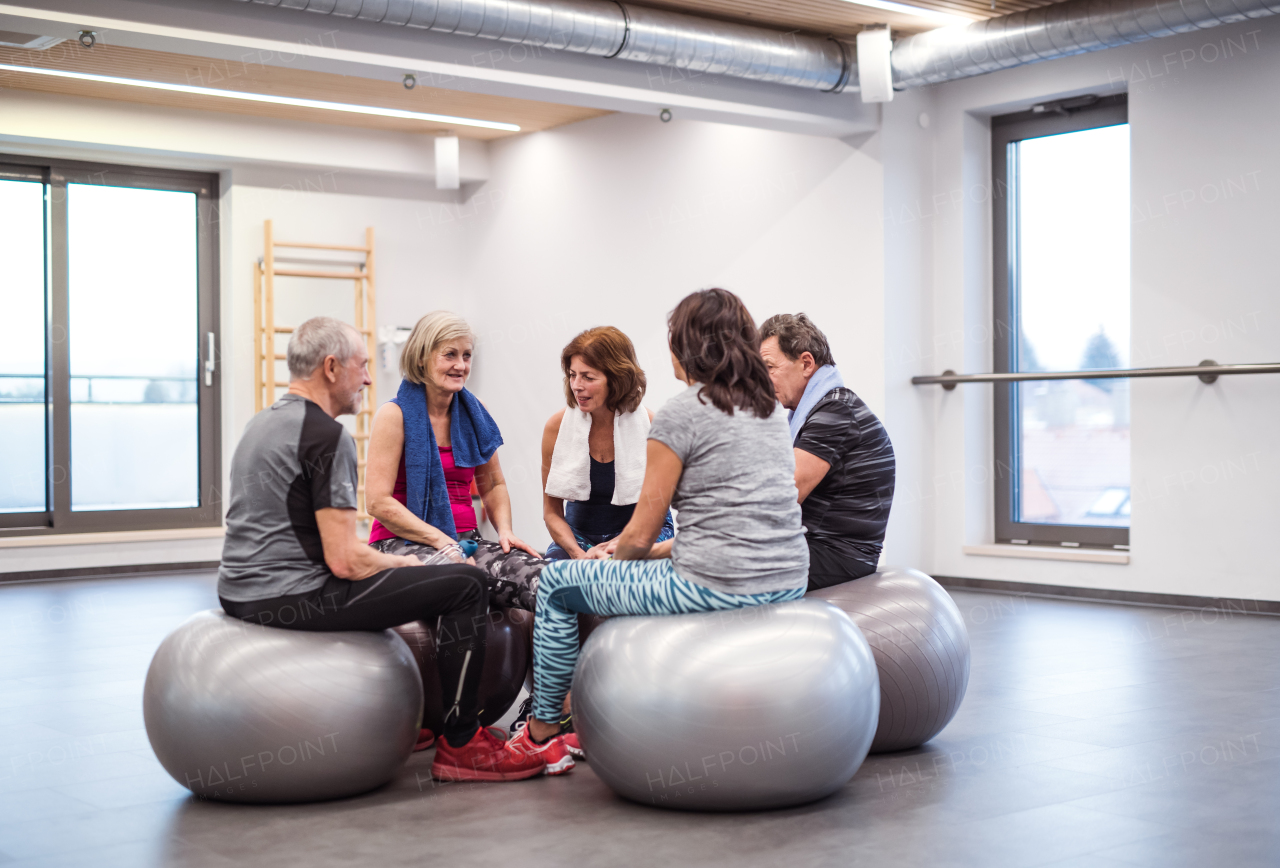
797,335
318,338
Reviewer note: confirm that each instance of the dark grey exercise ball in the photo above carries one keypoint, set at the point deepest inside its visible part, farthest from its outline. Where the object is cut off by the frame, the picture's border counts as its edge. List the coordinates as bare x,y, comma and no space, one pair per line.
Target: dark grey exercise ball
243,713
754,708
921,648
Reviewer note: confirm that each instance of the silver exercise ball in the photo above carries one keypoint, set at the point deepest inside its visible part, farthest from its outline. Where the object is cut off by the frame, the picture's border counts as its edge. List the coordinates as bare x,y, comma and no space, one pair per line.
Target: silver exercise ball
754,708
244,713
921,648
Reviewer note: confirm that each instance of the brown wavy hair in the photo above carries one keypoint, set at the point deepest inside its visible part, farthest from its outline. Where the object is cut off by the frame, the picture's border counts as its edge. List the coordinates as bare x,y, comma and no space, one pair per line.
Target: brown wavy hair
610,352
716,341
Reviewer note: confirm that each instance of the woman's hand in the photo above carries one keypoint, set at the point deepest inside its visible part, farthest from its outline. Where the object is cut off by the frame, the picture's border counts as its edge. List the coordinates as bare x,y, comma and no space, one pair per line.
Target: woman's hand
509,541
603,551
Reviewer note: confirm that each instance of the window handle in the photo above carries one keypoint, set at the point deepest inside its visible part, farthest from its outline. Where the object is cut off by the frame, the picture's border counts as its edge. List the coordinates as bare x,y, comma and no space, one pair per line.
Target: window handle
209,363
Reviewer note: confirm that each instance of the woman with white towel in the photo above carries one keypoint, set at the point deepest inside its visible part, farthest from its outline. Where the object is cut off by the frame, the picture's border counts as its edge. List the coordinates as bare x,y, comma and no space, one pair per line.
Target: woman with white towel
593,451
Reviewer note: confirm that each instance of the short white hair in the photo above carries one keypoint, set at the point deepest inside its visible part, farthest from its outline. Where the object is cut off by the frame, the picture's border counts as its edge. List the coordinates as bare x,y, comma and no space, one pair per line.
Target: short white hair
317,339
431,331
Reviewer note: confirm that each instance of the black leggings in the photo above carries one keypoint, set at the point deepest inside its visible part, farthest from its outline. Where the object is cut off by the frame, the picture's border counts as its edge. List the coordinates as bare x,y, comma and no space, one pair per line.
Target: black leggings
454,593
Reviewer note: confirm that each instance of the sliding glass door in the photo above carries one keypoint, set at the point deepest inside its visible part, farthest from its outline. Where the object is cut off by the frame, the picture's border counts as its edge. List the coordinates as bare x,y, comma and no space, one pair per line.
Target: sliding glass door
23,420
108,368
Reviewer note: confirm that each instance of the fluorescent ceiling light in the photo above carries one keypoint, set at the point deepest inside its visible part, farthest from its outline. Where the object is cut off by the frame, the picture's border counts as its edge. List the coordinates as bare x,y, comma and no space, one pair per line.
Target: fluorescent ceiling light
273,100
917,11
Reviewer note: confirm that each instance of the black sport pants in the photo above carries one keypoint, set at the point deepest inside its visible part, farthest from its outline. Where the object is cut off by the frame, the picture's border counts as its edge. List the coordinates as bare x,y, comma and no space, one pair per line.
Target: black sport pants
454,593
828,567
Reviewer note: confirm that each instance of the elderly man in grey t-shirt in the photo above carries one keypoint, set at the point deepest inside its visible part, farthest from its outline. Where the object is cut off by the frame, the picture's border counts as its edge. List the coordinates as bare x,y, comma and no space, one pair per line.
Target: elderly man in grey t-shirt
292,559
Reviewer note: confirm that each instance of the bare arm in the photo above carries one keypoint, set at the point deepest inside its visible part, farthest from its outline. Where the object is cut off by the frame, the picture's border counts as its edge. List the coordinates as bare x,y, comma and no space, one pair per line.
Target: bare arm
386,446
345,555
496,498
661,474
553,507
810,470
606,549
657,552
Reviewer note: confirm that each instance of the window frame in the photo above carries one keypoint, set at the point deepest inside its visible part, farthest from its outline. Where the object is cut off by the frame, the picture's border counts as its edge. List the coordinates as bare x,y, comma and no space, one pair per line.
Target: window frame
58,517
1006,131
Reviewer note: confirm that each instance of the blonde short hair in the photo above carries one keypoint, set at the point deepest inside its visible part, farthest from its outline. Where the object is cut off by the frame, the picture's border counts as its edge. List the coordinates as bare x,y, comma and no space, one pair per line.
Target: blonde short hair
431,331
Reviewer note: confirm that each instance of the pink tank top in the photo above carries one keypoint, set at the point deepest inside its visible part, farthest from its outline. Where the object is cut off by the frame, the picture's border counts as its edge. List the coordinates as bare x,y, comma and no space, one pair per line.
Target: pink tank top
457,480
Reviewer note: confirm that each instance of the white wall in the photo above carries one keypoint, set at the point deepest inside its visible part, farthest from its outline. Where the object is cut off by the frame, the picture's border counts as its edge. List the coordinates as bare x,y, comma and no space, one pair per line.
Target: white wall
64,555
418,268
612,221
1203,114
886,243
607,221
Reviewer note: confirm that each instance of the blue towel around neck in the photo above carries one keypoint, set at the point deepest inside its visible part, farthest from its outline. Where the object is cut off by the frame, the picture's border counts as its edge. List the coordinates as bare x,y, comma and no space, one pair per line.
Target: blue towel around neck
823,381
475,438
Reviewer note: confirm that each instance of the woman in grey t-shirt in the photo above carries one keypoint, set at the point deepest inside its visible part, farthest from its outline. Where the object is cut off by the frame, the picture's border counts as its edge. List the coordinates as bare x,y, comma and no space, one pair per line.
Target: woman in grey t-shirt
720,453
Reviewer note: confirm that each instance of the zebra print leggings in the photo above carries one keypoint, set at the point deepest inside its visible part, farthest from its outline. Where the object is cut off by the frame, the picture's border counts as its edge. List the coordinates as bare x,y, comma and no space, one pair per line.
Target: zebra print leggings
610,588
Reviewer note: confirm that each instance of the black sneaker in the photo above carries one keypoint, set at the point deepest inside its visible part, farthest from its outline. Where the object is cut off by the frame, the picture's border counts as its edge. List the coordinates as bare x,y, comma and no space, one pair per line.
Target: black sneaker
526,711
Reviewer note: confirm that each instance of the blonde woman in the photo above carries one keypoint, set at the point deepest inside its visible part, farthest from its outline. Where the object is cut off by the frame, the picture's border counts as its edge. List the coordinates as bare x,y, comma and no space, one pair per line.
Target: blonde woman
426,447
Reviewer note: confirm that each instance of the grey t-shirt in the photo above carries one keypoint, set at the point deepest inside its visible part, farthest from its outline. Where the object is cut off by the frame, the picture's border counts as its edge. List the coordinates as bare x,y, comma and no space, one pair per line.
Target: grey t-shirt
739,522
293,459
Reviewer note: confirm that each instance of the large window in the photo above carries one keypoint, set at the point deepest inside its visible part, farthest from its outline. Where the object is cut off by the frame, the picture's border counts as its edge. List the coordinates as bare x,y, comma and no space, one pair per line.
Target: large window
1062,304
108,380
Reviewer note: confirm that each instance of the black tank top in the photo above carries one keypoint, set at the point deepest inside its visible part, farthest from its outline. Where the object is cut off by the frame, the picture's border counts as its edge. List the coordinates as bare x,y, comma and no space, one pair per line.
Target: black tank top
596,514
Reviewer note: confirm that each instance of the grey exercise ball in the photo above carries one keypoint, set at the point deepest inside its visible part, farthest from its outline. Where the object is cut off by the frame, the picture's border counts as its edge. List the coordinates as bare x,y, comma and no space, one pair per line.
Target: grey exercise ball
244,713
921,648
754,708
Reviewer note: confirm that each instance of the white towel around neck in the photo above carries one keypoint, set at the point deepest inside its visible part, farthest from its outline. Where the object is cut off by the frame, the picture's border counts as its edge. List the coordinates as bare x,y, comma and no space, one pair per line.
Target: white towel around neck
570,475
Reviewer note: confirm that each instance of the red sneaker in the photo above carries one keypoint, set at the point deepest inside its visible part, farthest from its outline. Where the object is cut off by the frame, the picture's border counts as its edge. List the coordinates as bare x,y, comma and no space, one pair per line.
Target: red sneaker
573,746
426,737
484,758
553,751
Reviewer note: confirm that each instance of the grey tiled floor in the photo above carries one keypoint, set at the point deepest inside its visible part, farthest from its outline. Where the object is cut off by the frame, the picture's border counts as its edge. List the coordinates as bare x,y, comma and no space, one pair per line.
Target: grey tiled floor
1092,735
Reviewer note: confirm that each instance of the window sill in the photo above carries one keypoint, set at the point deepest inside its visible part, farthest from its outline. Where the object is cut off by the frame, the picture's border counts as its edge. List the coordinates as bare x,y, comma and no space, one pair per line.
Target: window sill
124,536
1048,553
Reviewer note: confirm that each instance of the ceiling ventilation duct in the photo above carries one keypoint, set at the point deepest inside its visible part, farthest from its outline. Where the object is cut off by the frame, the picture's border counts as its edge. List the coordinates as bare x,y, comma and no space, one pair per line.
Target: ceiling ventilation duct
1062,29
607,29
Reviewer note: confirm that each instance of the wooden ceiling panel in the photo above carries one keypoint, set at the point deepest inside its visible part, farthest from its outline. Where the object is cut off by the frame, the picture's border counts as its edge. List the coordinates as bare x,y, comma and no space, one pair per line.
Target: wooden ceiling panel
134,63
